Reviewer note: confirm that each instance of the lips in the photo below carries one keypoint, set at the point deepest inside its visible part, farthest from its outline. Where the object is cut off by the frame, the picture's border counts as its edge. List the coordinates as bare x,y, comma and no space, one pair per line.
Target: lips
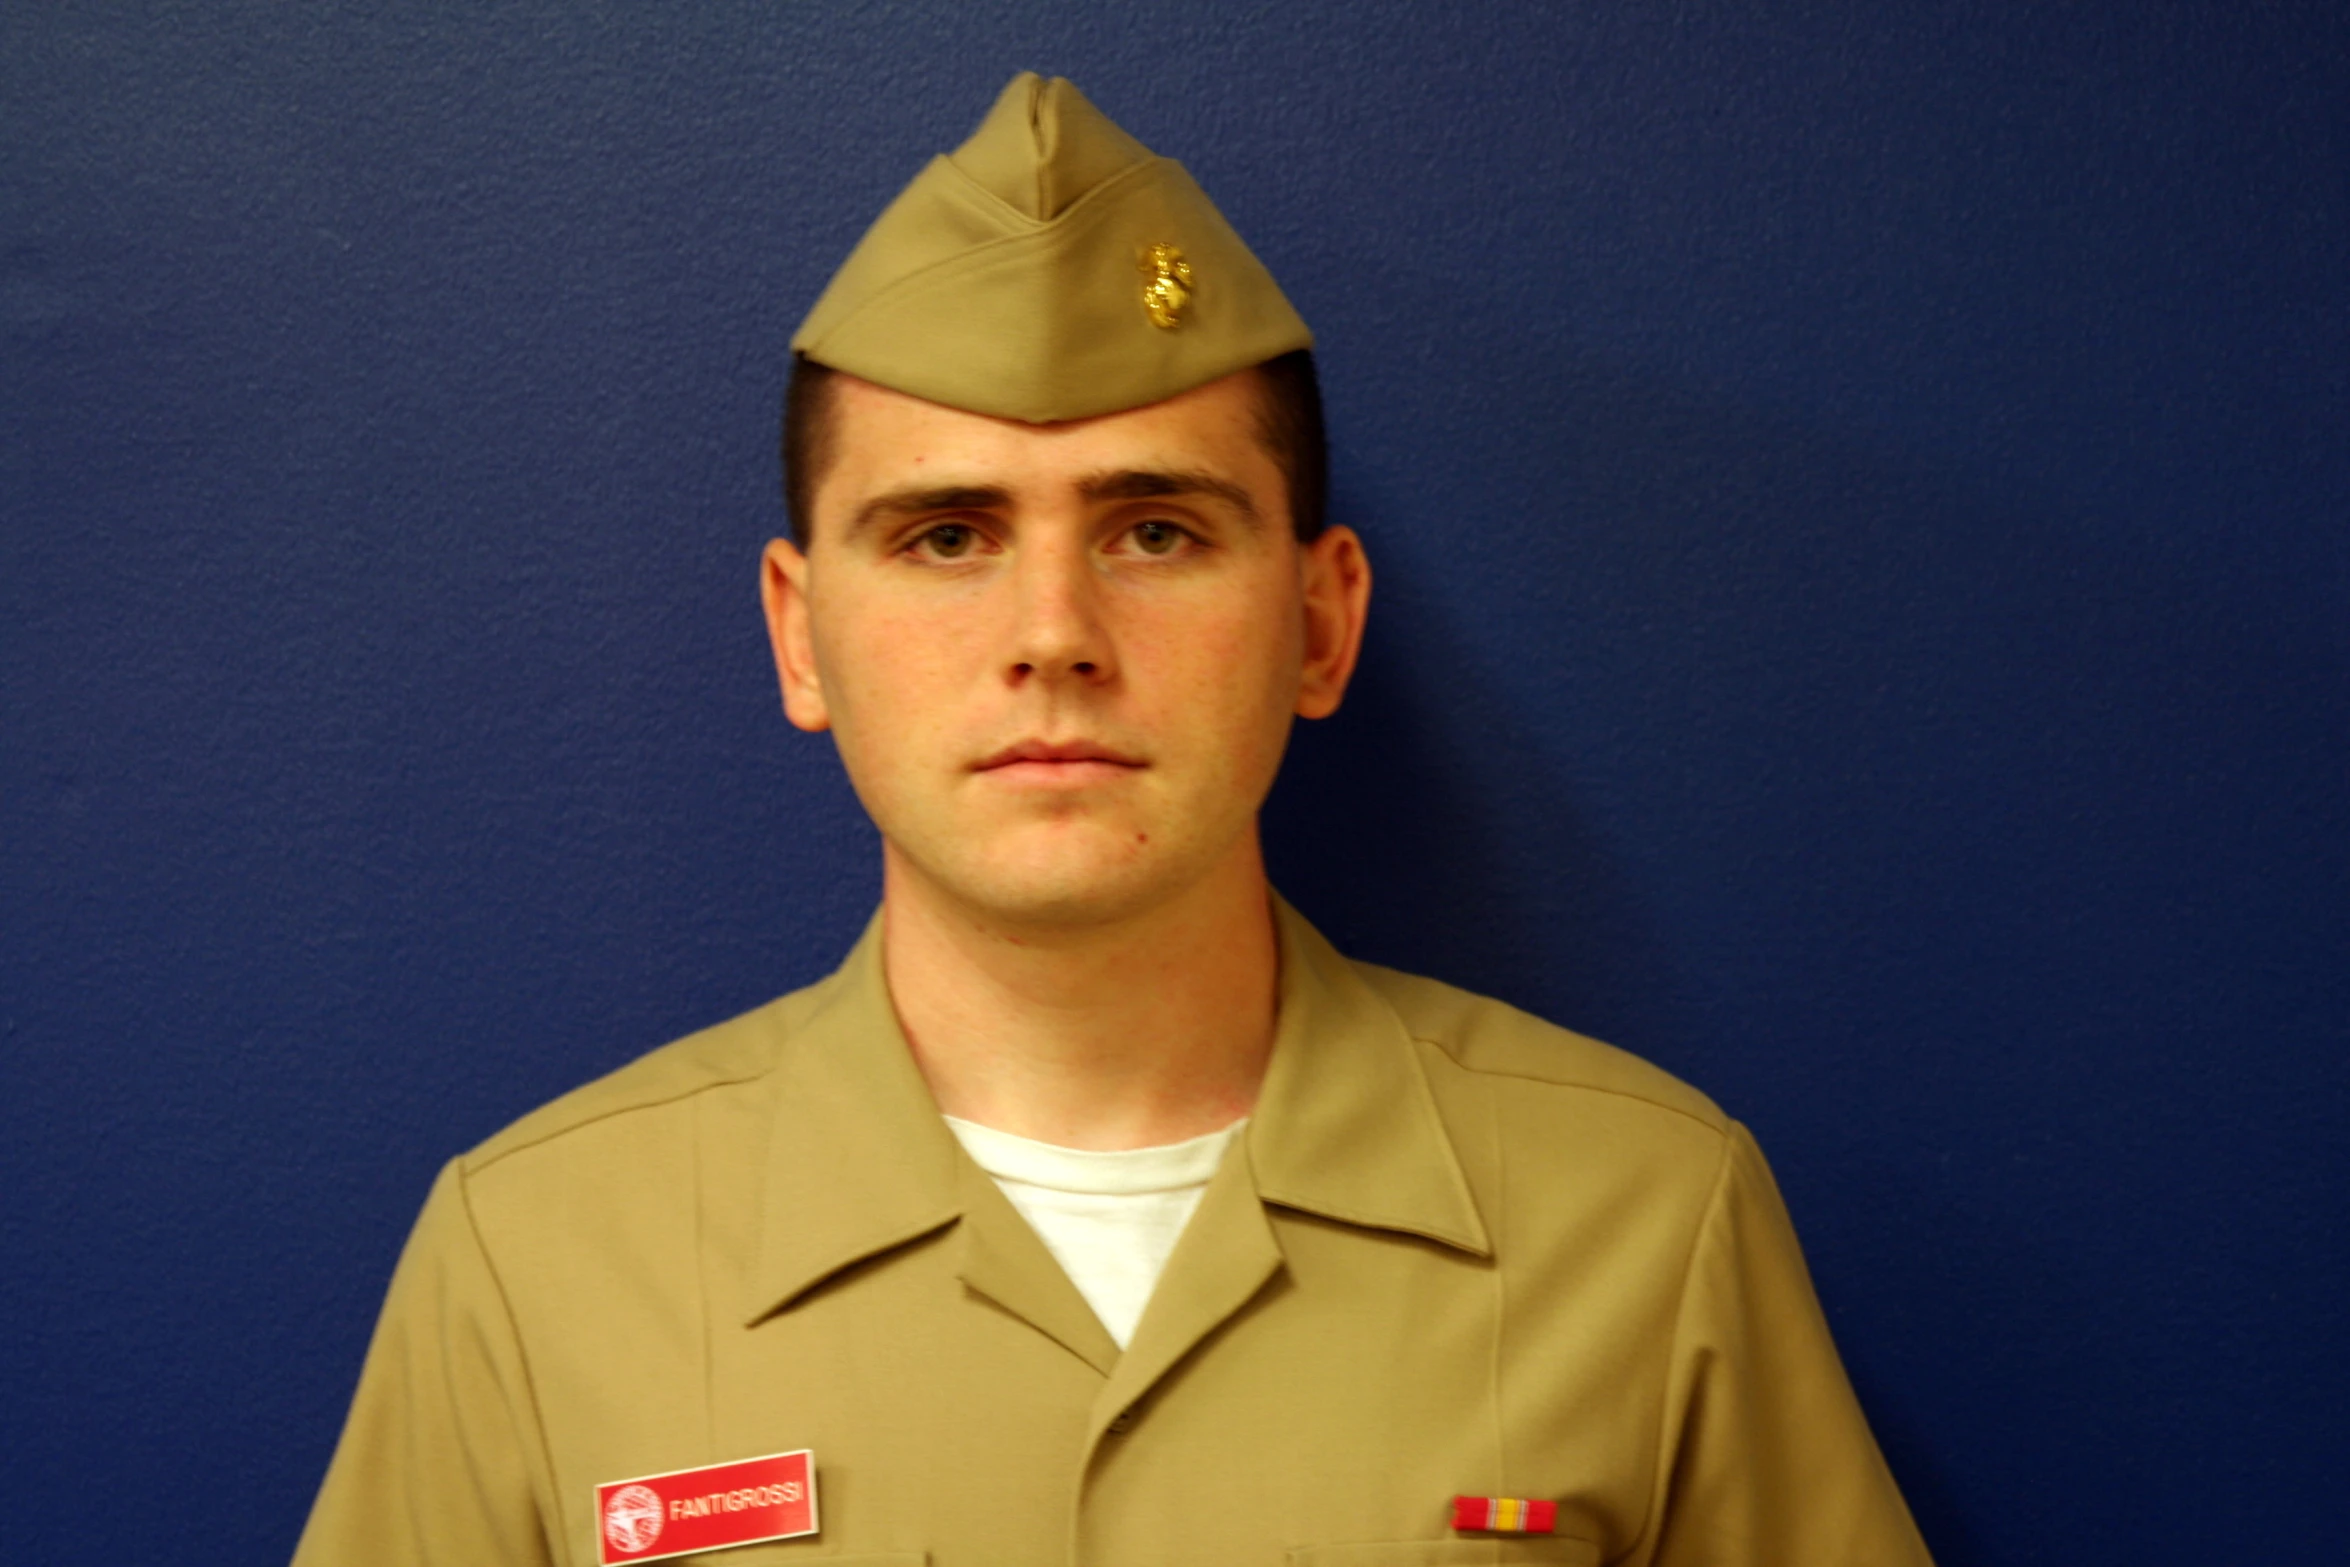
1068,753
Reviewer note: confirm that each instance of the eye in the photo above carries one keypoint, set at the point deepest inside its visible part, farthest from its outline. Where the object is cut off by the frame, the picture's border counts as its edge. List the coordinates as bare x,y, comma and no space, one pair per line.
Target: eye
1157,538
948,541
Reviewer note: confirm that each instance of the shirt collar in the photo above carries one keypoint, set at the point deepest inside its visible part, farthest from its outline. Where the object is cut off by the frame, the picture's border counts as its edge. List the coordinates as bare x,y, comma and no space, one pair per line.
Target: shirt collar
860,1161
1346,1126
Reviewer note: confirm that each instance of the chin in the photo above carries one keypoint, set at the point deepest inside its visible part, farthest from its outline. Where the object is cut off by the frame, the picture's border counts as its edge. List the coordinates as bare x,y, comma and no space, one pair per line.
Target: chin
1068,887
1066,900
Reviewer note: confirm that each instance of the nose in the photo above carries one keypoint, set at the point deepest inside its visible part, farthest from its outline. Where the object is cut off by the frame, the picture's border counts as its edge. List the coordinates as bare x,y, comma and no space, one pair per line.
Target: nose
1058,632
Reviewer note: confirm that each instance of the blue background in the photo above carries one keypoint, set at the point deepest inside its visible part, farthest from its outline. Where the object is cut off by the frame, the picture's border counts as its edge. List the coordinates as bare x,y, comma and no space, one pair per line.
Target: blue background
1860,498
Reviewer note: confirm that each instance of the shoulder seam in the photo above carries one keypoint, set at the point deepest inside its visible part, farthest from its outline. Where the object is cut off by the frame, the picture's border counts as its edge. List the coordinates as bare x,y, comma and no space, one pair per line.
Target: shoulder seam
1720,1129
477,1160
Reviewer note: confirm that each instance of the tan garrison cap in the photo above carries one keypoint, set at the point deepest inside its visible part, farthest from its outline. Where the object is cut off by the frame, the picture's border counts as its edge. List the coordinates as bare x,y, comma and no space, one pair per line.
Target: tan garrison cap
1051,267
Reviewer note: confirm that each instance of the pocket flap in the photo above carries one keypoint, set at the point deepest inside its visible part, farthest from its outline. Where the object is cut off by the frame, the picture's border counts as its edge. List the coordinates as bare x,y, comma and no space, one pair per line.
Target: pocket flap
1534,1550
775,1553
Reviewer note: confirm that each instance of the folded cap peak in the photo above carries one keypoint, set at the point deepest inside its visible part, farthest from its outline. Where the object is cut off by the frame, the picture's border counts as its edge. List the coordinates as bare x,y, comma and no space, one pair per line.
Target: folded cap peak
1044,145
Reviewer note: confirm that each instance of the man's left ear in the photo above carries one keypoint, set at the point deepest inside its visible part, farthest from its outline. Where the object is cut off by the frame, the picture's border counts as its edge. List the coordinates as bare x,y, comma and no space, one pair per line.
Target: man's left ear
1337,598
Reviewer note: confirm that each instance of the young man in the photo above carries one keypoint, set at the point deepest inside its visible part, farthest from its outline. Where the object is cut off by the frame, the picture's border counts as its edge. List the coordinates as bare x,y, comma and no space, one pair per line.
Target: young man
1095,1211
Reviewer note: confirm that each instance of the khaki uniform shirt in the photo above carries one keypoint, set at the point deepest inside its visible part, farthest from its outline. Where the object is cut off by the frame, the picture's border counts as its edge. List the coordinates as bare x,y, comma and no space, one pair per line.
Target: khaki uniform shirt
1457,1252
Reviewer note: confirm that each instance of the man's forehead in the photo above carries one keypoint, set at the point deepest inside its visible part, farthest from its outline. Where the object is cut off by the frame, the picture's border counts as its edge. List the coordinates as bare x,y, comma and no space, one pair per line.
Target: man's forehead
882,438
1234,393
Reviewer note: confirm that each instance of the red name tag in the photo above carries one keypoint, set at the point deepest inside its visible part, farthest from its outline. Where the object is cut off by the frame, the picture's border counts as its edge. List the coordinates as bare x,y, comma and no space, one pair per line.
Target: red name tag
688,1510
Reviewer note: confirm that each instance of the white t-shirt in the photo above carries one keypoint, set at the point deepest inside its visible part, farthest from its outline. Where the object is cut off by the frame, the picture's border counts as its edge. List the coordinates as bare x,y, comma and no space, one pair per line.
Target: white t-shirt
1111,1219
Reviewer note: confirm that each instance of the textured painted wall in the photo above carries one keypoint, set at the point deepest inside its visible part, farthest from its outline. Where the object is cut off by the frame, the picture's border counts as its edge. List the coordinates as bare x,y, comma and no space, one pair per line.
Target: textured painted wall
1864,620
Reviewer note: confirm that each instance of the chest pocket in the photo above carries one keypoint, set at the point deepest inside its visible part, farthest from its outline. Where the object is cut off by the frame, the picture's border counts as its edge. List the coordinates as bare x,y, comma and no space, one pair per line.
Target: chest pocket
1534,1550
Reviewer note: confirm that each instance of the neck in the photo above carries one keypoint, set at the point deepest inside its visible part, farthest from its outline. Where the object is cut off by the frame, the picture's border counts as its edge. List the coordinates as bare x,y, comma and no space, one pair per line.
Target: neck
1148,1029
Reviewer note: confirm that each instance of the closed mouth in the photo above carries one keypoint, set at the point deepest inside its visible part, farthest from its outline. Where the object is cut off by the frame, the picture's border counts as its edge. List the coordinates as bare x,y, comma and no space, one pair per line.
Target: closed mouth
1079,751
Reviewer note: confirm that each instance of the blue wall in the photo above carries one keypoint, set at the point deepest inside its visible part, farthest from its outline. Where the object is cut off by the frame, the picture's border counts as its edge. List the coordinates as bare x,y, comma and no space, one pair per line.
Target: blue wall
1864,620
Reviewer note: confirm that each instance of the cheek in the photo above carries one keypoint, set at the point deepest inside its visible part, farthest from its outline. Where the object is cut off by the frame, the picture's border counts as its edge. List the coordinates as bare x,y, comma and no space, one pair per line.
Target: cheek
1240,676
885,677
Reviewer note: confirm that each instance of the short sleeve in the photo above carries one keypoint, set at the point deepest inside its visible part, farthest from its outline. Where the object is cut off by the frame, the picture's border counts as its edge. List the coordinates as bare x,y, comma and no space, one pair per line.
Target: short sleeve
1768,1458
441,1462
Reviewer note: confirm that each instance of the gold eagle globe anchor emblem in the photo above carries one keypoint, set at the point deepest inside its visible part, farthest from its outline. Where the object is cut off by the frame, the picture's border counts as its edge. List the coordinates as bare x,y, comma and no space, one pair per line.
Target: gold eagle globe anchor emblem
1167,285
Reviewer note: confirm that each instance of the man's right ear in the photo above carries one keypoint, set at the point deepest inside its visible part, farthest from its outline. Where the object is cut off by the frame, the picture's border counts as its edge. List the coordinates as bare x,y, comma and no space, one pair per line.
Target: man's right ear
783,593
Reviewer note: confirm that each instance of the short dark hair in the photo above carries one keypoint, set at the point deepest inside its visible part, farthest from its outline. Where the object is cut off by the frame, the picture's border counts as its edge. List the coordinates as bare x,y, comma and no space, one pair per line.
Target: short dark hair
1289,423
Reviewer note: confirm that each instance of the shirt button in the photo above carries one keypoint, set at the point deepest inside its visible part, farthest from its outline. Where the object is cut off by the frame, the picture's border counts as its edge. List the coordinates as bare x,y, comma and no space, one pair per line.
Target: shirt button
1123,1423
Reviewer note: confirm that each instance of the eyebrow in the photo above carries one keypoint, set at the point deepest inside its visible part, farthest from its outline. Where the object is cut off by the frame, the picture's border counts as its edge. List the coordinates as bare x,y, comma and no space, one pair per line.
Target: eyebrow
1125,484
917,502
1144,484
